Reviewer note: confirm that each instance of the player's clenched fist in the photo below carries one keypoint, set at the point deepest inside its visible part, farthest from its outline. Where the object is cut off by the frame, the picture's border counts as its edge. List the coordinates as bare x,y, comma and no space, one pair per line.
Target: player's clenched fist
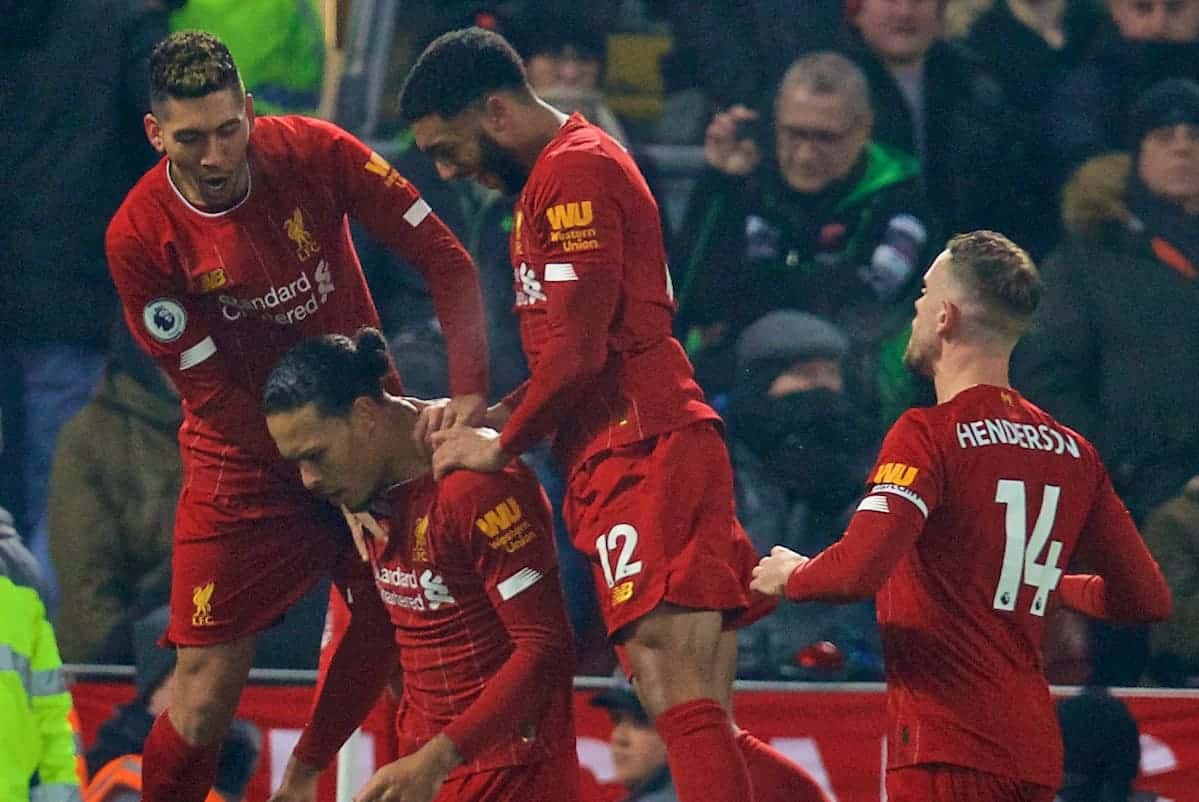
771,574
415,778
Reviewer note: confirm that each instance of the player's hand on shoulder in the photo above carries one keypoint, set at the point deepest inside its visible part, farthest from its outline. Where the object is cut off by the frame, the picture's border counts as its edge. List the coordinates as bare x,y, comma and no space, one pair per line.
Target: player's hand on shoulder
726,145
443,413
475,449
772,572
298,784
465,410
414,778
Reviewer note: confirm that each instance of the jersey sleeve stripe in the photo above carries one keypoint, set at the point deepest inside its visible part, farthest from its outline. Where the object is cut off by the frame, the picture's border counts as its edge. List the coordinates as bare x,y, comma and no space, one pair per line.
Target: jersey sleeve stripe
560,271
904,492
417,212
519,582
874,504
197,353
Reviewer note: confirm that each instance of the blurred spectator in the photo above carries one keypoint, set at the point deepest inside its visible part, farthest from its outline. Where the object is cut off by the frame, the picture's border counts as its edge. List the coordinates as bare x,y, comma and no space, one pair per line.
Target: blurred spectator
37,742
638,753
113,489
736,53
800,448
123,736
1172,534
1052,37
1126,277
279,46
565,58
828,222
933,98
73,93
1102,749
1148,42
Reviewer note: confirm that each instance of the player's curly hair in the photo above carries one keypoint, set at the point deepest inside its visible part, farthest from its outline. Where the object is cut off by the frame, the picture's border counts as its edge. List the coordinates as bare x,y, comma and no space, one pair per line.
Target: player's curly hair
457,69
1002,276
330,371
189,64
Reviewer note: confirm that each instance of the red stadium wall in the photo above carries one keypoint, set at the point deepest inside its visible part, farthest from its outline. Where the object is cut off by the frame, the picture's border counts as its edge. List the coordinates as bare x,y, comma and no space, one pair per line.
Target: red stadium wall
835,733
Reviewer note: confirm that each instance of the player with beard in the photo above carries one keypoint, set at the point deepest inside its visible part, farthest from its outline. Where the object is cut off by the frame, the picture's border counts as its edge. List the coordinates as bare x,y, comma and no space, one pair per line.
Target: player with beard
232,249
649,495
975,508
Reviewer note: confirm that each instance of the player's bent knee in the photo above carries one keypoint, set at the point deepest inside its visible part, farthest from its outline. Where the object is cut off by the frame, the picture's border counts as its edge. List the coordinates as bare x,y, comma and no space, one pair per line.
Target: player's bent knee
206,688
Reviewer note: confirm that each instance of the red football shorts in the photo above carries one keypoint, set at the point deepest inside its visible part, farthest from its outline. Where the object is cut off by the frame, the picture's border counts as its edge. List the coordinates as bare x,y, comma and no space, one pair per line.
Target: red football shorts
940,782
234,575
656,519
555,779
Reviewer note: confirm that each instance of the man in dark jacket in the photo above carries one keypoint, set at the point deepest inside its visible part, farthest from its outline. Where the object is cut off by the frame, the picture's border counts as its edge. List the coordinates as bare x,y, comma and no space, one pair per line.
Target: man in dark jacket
829,222
73,91
932,98
1147,41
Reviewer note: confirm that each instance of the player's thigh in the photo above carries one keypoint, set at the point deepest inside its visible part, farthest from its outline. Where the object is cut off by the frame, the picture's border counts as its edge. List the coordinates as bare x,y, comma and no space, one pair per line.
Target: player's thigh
555,779
656,520
946,783
233,575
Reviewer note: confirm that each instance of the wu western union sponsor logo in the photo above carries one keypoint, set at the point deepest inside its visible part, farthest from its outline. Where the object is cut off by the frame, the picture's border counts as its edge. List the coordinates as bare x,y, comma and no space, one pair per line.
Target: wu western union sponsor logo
569,215
505,527
895,473
571,224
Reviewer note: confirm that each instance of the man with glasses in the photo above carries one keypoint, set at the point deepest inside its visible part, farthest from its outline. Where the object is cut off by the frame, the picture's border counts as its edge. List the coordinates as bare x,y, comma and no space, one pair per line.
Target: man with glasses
827,222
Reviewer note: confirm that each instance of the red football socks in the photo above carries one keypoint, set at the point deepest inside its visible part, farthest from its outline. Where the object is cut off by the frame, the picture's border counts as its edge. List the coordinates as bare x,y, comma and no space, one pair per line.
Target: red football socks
705,763
172,769
775,778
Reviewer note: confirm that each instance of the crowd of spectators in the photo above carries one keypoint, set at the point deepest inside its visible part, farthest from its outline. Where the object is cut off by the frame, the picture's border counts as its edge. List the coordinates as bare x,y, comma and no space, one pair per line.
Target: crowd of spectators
841,145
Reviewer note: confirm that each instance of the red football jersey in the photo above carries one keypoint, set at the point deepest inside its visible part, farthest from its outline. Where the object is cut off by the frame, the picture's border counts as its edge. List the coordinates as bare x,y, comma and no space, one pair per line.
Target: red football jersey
594,298
216,299
469,571
975,509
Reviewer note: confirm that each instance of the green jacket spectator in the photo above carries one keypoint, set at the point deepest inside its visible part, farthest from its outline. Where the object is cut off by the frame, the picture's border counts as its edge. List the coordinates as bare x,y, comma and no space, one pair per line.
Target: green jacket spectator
279,46
37,743
831,224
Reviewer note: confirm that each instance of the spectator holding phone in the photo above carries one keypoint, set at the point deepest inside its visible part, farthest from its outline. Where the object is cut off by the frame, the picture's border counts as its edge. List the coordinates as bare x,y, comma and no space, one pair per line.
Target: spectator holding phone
829,222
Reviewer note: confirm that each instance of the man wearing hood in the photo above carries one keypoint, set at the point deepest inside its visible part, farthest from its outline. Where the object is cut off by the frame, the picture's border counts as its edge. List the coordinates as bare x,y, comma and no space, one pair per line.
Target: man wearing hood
1147,41
1114,346
801,446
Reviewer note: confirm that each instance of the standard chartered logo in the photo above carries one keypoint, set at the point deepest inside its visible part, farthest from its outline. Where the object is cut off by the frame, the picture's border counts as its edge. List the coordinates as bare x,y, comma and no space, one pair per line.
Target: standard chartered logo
285,304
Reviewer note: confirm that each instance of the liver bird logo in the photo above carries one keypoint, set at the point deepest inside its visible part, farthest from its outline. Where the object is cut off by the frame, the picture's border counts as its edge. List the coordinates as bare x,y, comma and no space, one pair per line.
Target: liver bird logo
202,598
306,244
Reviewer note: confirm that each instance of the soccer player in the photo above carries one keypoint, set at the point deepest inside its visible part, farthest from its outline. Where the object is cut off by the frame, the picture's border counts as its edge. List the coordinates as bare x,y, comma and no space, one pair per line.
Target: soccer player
467,570
233,248
649,493
975,509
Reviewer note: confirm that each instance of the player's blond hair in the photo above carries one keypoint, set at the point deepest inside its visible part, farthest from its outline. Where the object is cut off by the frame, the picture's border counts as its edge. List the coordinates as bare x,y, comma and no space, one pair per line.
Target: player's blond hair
1000,276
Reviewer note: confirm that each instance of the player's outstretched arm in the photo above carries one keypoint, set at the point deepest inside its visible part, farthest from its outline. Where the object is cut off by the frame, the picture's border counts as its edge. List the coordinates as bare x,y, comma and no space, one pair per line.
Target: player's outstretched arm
1128,586
362,662
394,212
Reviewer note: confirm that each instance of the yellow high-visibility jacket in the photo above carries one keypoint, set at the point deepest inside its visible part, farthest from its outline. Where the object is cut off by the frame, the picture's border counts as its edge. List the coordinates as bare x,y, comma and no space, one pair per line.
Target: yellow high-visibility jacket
36,737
